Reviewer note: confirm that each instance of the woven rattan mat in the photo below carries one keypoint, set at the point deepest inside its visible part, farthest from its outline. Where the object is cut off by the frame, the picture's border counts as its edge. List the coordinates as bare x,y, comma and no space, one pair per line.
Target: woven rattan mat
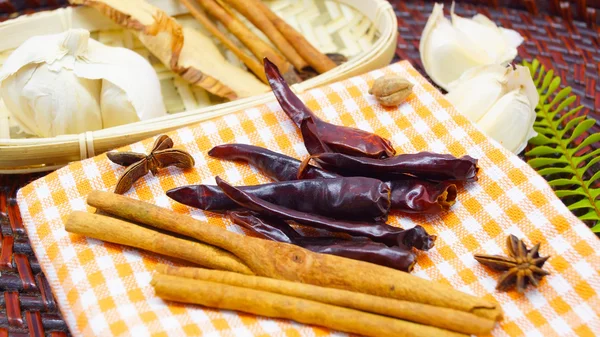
571,48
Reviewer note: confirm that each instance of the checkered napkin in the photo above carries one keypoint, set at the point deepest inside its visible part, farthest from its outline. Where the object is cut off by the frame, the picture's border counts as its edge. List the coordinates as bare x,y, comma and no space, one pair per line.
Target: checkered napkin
104,289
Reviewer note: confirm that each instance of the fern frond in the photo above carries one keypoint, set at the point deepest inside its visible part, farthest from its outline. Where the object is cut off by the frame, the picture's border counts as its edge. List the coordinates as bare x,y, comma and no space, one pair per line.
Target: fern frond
555,153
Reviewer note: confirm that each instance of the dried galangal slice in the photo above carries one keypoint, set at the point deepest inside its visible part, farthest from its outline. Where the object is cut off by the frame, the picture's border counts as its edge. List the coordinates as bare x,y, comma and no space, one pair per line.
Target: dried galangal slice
186,51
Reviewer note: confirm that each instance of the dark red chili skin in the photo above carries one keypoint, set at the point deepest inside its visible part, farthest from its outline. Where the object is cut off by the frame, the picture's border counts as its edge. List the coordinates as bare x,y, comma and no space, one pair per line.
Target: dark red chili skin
340,198
424,165
340,139
376,231
274,165
413,195
410,195
400,258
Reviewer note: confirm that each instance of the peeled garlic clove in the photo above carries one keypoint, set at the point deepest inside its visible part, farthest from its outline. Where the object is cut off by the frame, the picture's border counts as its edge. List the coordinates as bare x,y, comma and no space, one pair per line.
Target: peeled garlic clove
500,44
443,55
520,78
510,121
500,100
448,49
474,93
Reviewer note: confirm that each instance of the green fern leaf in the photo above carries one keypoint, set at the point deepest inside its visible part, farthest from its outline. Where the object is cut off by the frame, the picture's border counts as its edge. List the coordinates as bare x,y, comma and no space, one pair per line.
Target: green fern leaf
587,142
554,153
569,193
556,170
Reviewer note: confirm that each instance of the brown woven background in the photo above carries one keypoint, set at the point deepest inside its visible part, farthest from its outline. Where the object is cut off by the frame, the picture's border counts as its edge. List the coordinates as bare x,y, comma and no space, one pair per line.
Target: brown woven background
563,35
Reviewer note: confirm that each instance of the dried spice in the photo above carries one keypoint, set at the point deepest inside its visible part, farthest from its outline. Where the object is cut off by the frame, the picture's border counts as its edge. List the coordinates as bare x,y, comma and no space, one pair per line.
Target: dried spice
391,90
310,72
126,233
138,164
413,195
376,231
274,165
409,194
444,318
401,258
522,267
355,198
424,165
338,138
294,263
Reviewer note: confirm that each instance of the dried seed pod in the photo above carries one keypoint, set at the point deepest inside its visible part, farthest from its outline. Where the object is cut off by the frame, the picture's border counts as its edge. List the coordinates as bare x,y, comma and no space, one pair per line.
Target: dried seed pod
391,90
139,164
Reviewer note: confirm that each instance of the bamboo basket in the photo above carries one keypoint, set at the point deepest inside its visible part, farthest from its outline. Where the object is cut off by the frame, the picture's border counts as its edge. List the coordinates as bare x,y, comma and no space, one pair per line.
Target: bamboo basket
365,31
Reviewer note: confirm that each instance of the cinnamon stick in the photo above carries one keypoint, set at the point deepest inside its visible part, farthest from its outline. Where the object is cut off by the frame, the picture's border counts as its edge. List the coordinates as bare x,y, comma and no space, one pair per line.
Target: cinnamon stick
250,62
254,14
292,263
125,233
449,319
319,61
258,47
263,303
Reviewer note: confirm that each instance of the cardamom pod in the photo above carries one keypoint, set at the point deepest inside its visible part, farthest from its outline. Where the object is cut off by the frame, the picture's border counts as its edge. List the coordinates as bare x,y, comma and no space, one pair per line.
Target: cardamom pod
391,90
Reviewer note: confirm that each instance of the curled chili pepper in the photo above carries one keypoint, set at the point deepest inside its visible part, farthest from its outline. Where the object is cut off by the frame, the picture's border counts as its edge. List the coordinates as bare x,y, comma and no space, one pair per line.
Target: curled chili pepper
338,138
340,198
401,258
376,231
275,165
425,165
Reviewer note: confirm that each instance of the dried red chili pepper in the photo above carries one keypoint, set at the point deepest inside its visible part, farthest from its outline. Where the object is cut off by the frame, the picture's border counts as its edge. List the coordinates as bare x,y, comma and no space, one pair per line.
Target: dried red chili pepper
340,139
400,258
425,165
409,195
376,231
418,196
340,198
275,165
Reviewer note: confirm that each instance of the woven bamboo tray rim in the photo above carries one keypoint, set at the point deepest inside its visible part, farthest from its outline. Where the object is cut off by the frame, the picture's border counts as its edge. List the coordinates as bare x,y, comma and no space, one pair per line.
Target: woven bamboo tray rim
41,154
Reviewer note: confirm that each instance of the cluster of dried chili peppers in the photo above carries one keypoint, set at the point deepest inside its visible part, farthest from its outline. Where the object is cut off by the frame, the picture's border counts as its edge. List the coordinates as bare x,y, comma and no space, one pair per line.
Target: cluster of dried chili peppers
359,180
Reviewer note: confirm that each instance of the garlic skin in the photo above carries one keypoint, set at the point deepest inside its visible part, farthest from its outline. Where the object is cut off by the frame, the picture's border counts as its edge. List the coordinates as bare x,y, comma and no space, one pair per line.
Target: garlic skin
449,48
68,83
500,100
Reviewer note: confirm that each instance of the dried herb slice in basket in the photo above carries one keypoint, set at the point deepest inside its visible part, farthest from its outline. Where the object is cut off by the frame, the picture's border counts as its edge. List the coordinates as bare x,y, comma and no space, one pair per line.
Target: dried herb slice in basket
178,47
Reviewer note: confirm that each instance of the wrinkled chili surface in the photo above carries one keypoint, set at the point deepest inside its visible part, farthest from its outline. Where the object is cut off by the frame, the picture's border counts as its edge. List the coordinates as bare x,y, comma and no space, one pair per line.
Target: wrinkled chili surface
408,194
340,198
376,231
358,179
425,165
401,258
274,165
339,138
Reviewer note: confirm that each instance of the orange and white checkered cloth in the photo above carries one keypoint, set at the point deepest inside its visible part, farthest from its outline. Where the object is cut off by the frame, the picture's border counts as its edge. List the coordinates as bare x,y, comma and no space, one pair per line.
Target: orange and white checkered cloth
104,289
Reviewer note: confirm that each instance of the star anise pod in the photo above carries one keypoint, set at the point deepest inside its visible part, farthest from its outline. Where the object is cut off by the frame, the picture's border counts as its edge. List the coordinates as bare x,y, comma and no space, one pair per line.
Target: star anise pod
522,267
139,164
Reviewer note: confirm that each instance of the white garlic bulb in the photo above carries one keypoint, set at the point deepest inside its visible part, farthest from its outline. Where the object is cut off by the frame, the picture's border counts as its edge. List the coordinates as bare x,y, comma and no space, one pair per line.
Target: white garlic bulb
449,48
68,83
500,100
